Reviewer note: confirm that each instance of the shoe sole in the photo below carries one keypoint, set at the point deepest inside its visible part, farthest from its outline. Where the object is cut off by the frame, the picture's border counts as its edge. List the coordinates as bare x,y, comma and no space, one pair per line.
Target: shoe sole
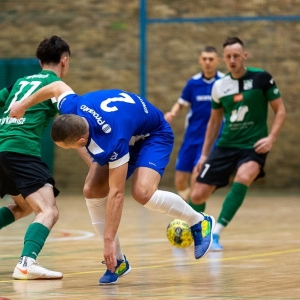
215,250
28,277
108,283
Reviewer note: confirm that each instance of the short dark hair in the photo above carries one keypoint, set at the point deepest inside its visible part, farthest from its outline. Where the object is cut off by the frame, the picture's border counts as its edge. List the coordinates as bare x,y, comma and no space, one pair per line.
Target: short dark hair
50,50
233,40
68,128
210,49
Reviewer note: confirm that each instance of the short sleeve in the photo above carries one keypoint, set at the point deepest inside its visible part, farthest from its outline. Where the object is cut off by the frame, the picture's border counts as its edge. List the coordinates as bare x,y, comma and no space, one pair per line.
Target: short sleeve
216,103
270,88
67,103
186,95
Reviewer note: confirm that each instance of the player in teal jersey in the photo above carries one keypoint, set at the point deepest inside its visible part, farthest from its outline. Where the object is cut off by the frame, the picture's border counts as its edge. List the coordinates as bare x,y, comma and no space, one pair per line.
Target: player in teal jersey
242,97
23,174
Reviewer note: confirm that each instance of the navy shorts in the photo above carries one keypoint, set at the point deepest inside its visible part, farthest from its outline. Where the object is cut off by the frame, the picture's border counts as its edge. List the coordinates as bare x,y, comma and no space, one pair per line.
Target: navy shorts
153,152
23,174
223,162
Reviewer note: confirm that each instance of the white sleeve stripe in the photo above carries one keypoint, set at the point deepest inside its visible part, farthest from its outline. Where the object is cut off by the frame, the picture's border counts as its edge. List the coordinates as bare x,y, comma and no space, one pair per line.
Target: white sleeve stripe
119,162
183,102
63,95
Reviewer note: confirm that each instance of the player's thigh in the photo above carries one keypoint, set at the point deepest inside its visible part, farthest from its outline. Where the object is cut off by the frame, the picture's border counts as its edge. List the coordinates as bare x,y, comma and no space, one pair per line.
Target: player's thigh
148,160
247,172
144,184
96,182
21,202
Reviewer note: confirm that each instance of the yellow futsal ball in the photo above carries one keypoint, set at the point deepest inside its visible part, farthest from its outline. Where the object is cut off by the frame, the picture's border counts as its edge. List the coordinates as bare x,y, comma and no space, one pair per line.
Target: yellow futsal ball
179,234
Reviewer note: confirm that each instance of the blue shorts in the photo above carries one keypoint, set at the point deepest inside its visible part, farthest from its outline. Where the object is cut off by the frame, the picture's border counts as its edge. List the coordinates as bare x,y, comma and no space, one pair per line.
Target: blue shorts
188,157
153,152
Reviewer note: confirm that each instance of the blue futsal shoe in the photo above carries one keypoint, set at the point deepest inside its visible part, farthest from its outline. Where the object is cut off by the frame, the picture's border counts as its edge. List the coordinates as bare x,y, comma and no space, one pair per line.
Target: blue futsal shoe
216,246
122,269
202,233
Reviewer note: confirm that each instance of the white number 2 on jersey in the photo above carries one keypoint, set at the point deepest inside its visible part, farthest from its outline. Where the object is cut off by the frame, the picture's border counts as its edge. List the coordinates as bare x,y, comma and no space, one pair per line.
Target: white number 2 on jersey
125,98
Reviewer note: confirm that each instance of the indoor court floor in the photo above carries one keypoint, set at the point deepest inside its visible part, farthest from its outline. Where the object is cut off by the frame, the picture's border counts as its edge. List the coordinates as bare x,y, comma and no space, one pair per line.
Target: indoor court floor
261,257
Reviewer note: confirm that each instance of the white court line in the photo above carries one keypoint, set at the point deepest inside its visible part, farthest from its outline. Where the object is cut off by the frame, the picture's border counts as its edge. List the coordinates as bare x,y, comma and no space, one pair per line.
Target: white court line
79,235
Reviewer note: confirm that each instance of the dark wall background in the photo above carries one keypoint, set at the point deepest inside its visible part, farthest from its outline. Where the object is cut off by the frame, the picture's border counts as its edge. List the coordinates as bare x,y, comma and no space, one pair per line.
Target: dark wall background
104,40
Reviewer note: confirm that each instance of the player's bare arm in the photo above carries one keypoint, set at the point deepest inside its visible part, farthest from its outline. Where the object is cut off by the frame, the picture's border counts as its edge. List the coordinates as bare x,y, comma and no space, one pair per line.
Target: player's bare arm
49,91
212,132
176,108
85,155
117,179
264,145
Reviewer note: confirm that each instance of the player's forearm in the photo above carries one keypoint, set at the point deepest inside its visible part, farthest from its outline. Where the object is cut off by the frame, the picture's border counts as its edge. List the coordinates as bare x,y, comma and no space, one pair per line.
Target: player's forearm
113,214
85,155
176,108
54,89
211,135
41,95
173,112
277,124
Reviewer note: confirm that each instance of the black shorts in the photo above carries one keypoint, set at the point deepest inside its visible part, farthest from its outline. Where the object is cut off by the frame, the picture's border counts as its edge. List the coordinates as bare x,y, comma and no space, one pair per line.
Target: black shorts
223,162
23,174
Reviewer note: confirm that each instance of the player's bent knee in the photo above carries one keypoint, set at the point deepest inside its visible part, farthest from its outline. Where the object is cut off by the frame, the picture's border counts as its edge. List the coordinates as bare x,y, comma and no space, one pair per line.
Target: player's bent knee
142,196
54,215
246,179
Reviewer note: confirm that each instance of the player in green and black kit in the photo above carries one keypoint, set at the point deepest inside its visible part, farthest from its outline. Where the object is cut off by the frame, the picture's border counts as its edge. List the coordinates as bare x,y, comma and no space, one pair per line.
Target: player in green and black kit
242,97
23,174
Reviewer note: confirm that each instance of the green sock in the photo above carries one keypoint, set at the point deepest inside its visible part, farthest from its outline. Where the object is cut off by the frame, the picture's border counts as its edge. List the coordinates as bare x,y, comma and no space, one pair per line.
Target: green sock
6,217
197,207
34,239
232,202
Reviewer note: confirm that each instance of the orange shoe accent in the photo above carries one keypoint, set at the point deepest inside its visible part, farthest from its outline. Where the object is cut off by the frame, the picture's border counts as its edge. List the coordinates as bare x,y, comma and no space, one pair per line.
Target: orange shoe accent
22,271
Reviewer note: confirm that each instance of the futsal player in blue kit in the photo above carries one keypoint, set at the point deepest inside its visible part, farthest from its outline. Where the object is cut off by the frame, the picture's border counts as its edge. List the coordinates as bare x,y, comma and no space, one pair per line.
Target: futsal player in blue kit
125,135
196,95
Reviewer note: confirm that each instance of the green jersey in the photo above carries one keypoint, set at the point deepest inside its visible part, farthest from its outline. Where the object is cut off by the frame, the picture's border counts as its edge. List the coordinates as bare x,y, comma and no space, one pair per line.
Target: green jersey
24,135
245,104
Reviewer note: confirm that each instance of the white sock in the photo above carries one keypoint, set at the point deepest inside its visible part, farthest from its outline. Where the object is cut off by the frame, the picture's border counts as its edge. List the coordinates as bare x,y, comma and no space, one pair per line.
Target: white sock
173,206
184,194
26,261
218,229
97,211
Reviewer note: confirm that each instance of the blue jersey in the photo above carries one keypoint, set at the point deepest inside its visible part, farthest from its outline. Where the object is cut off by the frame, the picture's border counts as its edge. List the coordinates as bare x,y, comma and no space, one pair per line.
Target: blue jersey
197,95
117,120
